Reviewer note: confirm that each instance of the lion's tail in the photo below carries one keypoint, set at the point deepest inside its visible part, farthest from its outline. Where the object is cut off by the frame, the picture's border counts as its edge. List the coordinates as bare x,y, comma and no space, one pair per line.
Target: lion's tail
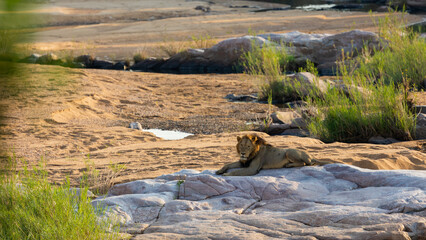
316,162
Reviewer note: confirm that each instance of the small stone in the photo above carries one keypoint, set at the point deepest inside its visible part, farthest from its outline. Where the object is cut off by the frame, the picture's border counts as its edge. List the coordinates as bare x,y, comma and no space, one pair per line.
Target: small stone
135,125
285,117
296,132
382,140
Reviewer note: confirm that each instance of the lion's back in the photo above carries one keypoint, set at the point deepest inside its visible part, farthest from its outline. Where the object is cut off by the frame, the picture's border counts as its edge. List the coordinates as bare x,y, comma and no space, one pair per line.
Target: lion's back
273,157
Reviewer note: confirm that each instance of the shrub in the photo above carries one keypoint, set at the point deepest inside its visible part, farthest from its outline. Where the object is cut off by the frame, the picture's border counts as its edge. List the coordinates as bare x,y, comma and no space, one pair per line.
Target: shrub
403,58
33,208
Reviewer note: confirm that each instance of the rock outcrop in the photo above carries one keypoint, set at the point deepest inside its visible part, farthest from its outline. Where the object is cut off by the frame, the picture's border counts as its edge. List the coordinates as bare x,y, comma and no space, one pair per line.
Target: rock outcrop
322,49
335,201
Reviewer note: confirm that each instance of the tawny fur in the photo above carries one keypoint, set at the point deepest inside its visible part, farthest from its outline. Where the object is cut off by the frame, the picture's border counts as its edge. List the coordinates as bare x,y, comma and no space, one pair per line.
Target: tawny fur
256,154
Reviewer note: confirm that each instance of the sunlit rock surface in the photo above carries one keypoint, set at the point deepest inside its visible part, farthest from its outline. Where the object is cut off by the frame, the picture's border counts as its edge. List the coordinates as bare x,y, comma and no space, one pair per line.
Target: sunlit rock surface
335,201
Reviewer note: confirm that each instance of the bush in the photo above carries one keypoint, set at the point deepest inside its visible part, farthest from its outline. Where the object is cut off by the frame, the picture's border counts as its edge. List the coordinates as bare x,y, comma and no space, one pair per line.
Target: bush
33,208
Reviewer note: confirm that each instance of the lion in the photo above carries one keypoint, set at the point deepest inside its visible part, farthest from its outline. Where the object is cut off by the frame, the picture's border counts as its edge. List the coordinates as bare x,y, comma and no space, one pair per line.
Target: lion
256,154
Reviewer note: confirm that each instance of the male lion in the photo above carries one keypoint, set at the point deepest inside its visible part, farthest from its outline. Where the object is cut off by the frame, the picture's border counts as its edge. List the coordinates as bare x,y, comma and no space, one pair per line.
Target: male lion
256,154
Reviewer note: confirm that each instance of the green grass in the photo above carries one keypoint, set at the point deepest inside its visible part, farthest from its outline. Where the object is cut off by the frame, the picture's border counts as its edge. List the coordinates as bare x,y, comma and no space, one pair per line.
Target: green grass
404,58
376,101
358,114
33,208
266,65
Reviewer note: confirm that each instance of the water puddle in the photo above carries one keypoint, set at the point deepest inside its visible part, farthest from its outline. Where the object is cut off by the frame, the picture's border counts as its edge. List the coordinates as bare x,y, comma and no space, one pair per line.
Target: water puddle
168,135
316,7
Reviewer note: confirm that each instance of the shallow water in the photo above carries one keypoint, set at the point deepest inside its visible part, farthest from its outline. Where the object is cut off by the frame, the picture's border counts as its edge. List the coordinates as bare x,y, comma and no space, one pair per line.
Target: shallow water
168,135
313,5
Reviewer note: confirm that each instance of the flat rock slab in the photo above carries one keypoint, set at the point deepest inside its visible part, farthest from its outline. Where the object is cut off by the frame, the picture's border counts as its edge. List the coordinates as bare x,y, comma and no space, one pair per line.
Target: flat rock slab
335,201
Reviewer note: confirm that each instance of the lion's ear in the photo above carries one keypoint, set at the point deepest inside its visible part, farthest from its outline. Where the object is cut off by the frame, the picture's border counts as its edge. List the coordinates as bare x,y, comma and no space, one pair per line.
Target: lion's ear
238,138
260,141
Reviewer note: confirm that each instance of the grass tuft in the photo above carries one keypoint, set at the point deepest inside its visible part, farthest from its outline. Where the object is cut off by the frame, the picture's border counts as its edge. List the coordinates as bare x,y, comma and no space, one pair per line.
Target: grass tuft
266,64
33,208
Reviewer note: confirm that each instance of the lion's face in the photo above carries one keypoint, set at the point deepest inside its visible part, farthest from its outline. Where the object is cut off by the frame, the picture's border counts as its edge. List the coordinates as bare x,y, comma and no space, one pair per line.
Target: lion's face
247,147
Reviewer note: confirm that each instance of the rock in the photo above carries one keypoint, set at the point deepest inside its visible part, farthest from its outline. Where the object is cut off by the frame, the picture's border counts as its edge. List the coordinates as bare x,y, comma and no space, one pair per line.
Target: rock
418,4
421,126
77,193
135,125
275,128
148,64
31,59
384,9
241,98
271,9
119,66
203,8
308,84
382,140
418,26
102,64
296,104
296,132
49,58
228,52
420,109
87,60
324,49
348,89
335,201
289,118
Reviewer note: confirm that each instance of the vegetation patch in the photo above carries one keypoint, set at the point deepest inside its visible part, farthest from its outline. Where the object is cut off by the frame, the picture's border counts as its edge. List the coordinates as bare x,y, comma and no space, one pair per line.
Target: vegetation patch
372,98
33,208
266,64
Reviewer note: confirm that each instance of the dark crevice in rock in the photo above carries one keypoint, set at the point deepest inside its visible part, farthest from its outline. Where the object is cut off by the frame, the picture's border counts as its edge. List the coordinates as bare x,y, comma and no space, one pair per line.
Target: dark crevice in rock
156,219
250,206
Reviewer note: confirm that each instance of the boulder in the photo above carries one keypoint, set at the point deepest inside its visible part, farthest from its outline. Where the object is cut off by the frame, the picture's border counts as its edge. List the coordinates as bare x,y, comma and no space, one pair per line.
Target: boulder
135,125
87,60
322,49
381,140
31,59
334,201
285,117
49,58
119,66
292,119
418,4
325,49
102,64
296,132
308,84
421,126
148,64
228,52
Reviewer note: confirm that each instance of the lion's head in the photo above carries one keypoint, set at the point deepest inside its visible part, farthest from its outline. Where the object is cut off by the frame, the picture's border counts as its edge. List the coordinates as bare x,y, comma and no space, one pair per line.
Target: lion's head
248,146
